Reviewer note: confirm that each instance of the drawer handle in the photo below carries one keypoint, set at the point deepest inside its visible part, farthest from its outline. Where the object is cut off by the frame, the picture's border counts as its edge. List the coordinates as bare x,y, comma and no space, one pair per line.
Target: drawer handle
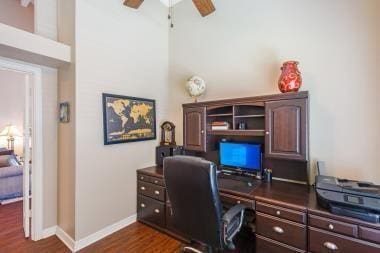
278,213
331,226
238,202
278,230
157,192
142,188
156,211
330,246
143,205
155,181
141,178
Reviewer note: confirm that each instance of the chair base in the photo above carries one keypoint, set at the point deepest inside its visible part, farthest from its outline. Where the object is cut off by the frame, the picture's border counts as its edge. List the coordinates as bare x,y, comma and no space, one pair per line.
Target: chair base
196,248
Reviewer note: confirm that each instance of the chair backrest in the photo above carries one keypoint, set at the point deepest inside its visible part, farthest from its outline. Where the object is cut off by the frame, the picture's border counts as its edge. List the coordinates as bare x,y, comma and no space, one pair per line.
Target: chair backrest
192,188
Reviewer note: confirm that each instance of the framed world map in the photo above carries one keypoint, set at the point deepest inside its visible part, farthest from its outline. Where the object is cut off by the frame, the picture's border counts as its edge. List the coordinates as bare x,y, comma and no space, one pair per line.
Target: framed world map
128,119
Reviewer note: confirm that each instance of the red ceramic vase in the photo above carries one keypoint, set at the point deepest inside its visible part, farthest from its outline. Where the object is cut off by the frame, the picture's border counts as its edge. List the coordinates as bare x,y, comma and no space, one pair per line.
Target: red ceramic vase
290,79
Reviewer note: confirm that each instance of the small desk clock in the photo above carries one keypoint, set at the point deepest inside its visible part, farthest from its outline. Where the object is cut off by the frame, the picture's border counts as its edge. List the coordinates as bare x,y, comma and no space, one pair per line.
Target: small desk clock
167,134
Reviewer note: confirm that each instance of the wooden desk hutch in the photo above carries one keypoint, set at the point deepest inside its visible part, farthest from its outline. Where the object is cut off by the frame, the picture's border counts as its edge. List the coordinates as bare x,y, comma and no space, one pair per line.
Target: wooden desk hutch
288,218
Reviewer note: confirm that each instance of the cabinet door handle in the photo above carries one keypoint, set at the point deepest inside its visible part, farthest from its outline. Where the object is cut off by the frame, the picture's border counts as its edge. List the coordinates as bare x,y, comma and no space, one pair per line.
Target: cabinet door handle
142,178
202,131
157,192
278,230
142,205
331,226
267,132
156,181
238,202
330,246
142,188
278,213
156,211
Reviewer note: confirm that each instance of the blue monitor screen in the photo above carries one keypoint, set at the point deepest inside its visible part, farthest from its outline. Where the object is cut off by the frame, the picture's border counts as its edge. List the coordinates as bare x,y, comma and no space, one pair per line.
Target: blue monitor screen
240,155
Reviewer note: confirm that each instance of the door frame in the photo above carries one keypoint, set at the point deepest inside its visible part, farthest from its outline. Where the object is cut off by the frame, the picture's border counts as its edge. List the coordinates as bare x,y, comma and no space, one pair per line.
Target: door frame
35,83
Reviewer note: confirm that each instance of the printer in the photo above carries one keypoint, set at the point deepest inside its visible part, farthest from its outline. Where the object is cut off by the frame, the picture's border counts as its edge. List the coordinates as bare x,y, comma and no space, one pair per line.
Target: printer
349,198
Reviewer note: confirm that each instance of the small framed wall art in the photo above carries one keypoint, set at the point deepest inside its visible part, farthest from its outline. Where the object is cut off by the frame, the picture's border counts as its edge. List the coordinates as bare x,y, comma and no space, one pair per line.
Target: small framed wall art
64,112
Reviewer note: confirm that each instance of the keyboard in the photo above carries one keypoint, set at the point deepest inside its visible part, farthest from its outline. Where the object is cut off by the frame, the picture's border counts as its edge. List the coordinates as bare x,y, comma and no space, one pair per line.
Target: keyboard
237,177
237,183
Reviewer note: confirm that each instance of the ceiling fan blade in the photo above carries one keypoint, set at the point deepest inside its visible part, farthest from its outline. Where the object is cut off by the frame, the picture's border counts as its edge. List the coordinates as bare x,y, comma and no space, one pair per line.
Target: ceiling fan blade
205,7
135,4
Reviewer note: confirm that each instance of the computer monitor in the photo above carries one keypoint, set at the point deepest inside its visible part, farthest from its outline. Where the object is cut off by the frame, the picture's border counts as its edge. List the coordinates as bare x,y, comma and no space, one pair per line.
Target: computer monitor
240,156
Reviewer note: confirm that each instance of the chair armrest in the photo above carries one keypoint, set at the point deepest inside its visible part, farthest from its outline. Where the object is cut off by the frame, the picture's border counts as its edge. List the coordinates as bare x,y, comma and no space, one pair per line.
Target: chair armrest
232,222
233,212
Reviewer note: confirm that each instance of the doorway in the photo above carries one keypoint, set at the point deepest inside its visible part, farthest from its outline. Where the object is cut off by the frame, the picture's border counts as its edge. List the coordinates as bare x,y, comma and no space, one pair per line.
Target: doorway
23,142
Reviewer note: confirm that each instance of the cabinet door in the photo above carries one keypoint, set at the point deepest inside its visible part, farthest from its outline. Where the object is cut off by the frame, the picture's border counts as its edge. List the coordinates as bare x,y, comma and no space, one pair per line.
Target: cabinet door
287,129
194,124
151,211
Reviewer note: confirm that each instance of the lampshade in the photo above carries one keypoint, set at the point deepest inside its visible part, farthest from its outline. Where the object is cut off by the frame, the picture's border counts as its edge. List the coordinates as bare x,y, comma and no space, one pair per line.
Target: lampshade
10,131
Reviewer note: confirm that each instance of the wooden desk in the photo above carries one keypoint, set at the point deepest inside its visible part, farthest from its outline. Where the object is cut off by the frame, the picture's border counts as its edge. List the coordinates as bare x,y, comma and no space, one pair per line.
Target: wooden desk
288,218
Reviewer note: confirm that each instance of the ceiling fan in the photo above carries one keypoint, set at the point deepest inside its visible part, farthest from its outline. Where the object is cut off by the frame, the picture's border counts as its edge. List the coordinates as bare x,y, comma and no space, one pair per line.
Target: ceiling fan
205,7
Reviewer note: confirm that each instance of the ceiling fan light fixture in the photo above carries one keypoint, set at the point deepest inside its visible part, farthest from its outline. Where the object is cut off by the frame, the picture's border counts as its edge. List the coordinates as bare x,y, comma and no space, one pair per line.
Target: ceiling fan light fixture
135,4
170,15
205,7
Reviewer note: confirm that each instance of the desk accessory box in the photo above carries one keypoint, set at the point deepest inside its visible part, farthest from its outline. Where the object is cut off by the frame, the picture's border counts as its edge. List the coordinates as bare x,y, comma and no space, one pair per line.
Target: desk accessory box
166,151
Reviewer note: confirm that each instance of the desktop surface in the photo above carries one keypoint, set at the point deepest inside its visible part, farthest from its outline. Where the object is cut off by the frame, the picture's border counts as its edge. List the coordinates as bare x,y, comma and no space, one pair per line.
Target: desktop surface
297,197
234,183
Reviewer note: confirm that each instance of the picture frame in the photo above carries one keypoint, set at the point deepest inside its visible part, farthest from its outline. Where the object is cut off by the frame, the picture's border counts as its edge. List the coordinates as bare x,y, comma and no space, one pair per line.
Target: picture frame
64,112
128,119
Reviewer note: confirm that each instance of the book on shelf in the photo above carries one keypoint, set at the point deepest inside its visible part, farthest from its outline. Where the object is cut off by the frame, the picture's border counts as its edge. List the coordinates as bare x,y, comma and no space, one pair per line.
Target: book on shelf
219,128
220,125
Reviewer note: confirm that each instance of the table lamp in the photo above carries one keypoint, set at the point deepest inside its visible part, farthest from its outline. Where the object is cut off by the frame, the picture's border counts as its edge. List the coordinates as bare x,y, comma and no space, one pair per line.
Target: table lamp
10,132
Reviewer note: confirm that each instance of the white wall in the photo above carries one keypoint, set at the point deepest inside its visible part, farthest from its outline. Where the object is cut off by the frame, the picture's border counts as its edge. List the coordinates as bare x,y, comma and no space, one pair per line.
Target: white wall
239,49
121,51
46,18
12,105
50,121
14,14
66,131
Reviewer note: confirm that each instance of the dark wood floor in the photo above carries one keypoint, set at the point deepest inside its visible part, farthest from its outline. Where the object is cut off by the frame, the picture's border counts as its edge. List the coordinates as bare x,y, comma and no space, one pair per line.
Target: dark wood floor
12,235
136,238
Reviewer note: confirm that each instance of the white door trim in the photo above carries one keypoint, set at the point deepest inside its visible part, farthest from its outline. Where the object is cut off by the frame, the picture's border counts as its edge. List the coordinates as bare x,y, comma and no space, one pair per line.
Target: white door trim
37,141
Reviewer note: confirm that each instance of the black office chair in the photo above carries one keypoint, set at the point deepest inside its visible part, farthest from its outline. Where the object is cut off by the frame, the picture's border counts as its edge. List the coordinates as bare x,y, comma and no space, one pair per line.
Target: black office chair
197,212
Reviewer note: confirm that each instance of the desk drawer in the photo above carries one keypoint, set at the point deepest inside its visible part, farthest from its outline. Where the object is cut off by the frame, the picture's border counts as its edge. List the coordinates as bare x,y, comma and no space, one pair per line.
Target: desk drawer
369,234
333,226
149,179
281,230
265,245
150,210
151,190
281,212
326,242
233,200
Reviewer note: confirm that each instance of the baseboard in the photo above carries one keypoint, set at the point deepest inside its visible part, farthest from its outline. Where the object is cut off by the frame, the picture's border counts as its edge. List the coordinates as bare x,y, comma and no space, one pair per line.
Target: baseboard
66,239
75,246
49,232
82,243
